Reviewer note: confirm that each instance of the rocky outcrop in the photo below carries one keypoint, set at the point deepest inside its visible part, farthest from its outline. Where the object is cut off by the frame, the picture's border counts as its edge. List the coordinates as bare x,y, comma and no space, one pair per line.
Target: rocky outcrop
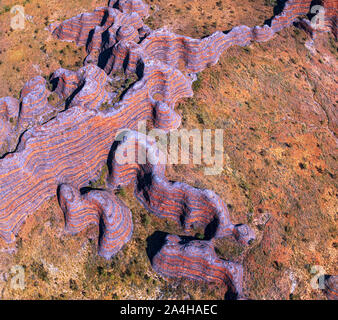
137,160
331,15
291,11
80,137
101,208
67,151
9,111
101,29
192,55
56,152
85,87
35,108
31,109
129,6
331,287
197,260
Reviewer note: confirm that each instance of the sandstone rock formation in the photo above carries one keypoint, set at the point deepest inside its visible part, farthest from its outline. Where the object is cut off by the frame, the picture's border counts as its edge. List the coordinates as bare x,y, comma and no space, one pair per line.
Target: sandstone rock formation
193,55
129,6
66,151
331,15
197,260
85,88
331,287
17,116
9,111
99,208
187,206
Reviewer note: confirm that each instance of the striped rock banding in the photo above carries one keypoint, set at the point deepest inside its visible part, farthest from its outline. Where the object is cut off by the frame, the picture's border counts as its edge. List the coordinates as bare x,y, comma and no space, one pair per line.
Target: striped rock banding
129,6
331,287
34,102
323,16
99,30
31,109
197,260
127,33
138,160
78,28
194,55
69,150
80,137
291,11
9,111
97,207
85,87
165,118
331,16
124,56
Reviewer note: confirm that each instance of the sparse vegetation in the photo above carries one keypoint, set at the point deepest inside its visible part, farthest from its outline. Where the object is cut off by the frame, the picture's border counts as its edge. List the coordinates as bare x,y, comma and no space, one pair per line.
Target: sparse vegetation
100,182
262,96
271,3
39,270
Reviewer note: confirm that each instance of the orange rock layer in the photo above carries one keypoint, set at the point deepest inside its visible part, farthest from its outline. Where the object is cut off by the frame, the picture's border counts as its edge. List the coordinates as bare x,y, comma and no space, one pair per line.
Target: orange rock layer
67,151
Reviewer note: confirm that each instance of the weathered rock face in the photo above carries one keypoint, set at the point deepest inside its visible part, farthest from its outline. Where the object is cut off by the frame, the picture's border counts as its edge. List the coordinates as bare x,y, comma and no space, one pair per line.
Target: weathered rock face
35,108
9,111
323,17
97,207
18,115
193,55
197,260
101,29
86,87
69,150
331,287
77,138
330,15
129,6
187,206
137,160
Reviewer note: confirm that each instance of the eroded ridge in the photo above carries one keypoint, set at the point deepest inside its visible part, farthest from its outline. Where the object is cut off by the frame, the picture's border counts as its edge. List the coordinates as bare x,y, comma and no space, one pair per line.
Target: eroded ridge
129,6
197,260
85,87
101,29
331,15
80,137
31,109
101,208
128,43
331,287
67,150
137,160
